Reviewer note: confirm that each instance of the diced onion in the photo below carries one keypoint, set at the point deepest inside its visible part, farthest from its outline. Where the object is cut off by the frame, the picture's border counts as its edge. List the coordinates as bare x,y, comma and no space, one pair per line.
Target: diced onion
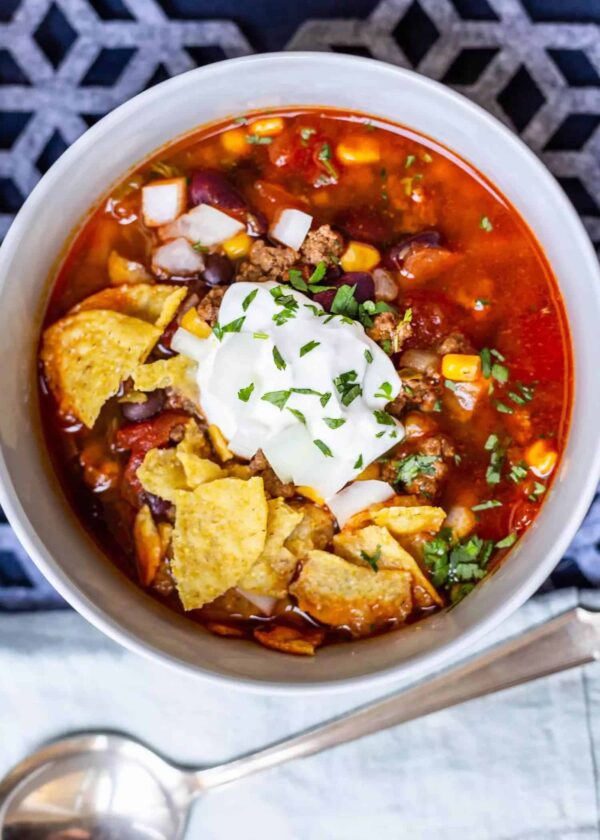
356,497
189,345
203,224
163,201
177,258
291,228
264,602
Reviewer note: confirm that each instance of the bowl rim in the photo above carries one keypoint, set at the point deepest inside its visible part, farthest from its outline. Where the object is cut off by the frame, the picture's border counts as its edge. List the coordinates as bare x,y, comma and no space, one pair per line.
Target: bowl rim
423,663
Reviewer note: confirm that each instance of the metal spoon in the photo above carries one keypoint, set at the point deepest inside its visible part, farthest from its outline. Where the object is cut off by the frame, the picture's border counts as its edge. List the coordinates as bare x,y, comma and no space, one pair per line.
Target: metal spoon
108,787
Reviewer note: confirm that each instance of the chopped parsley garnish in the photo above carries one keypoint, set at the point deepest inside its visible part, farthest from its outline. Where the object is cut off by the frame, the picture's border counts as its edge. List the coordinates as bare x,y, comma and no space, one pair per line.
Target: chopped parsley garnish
383,418
244,393
248,299
256,140
306,134
409,183
369,308
260,335
280,362
491,503
324,397
277,398
500,373
523,394
325,157
368,356
198,246
334,422
437,406
359,463
386,346
450,385
298,282
538,490
453,563
410,159
426,157
503,408
518,472
318,273
323,447
288,303
297,414
486,225
344,302
231,327
491,442
385,391
494,471
372,559
414,465
486,362
347,387
507,541
306,348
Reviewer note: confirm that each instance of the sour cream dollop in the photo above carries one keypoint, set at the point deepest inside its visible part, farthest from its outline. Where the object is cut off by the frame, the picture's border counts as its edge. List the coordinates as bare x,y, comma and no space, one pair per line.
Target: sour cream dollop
281,374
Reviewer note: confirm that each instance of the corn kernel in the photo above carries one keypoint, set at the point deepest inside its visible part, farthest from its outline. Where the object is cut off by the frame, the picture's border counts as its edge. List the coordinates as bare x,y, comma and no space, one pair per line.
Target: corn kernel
359,256
541,458
460,367
234,141
369,473
219,443
358,150
267,126
310,493
238,246
193,323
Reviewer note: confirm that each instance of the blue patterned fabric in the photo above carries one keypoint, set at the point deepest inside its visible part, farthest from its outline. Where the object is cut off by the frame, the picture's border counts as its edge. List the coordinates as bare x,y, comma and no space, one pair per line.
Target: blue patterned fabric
534,64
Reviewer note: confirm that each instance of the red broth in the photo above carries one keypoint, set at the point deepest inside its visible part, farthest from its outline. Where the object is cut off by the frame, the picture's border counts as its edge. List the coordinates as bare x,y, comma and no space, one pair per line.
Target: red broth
463,264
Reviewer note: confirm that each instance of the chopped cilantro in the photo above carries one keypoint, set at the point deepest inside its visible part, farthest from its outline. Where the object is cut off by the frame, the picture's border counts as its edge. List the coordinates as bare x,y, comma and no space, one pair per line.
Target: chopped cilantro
248,299
518,472
198,246
437,406
306,348
538,488
491,503
297,414
485,224
414,465
385,391
486,362
231,327
323,447
306,134
255,140
368,356
372,559
277,398
507,541
494,471
359,463
383,418
500,372
324,397
426,157
450,385
344,302
347,387
280,362
244,393
503,408
318,273
386,346
410,159
334,422
491,442
297,281
261,335
325,157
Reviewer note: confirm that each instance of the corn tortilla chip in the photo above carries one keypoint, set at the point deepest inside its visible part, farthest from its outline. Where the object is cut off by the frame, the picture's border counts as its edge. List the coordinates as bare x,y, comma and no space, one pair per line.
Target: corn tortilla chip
220,532
272,571
340,593
377,542
161,473
177,373
87,356
409,520
154,303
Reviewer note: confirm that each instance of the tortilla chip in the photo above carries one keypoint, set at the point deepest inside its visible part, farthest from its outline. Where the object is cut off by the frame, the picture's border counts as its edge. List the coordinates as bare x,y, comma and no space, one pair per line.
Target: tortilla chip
378,542
409,520
220,532
340,593
154,303
272,571
87,356
192,453
148,545
161,473
177,373
290,640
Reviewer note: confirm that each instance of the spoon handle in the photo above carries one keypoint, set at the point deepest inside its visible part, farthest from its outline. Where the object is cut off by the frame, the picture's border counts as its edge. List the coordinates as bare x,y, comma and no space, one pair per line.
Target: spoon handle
567,641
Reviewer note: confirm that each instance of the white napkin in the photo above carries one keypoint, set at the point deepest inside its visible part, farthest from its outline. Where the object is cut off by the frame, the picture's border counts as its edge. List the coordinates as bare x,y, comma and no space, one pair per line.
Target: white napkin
520,765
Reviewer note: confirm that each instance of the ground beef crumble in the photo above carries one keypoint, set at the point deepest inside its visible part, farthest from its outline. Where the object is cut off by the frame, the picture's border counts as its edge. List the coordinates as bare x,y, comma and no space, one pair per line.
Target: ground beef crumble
428,482
210,304
388,327
322,245
454,342
266,262
274,487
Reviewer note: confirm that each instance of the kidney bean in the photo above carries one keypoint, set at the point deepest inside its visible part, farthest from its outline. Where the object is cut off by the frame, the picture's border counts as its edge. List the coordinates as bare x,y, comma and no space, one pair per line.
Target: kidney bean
395,256
218,270
210,187
365,289
136,412
365,225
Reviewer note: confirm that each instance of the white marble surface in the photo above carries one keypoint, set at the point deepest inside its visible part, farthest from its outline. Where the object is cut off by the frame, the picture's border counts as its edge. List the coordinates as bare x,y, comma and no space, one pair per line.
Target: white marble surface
520,765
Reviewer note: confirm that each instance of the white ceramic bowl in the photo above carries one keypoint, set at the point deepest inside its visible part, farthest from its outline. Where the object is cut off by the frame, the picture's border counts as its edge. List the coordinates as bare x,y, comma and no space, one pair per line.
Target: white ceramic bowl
30,493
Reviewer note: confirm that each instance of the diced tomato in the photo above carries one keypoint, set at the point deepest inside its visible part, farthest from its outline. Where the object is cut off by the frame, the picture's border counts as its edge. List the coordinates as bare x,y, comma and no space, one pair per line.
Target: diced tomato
434,316
140,437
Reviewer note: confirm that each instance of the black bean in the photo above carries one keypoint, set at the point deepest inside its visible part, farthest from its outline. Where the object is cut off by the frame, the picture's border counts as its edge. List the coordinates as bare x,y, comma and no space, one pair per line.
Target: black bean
218,270
136,412
394,257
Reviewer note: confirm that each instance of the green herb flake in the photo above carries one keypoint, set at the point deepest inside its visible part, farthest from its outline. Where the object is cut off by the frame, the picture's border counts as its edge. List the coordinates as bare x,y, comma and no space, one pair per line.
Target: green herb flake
358,465
202,249
325,156
297,414
450,385
437,406
500,373
386,346
306,134
368,357
410,159
248,299
261,335
385,391
297,281
231,327
255,140
491,443
518,472
426,157
344,302
488,505
507,541
318,273
244,393
347,387
414,465
334,422
277,398
372,559
485,224
306,348
280,362
383,418
503,408
486,362
323,447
